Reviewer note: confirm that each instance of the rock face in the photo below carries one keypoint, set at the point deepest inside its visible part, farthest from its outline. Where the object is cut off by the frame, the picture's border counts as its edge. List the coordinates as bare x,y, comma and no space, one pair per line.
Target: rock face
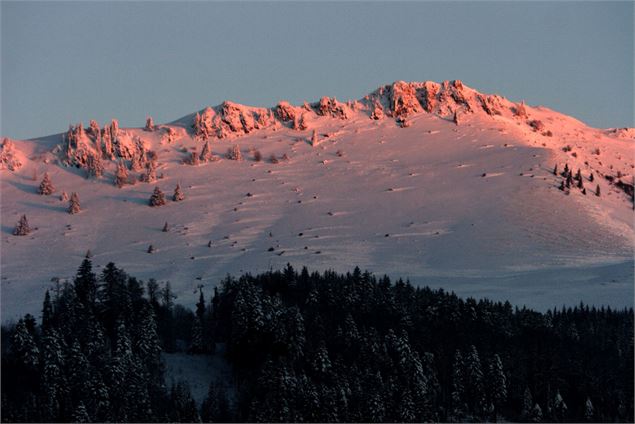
9,157
400,101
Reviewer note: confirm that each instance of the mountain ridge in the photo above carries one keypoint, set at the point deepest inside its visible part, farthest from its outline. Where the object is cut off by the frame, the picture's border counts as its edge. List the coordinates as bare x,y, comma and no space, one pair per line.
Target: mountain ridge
469,201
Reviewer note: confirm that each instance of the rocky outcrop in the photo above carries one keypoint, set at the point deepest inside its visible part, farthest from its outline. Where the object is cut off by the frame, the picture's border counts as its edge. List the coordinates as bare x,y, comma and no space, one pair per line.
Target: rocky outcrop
9,156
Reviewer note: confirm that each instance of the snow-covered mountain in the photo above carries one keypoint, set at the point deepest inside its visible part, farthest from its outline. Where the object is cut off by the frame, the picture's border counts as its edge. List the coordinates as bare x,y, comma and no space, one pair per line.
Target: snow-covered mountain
433,182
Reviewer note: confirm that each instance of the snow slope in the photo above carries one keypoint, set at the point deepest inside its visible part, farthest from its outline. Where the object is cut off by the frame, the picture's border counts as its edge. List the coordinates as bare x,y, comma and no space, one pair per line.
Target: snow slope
393,185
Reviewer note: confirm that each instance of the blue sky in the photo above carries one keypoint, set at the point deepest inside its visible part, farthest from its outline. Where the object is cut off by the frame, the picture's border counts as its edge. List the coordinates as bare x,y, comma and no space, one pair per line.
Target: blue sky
65,62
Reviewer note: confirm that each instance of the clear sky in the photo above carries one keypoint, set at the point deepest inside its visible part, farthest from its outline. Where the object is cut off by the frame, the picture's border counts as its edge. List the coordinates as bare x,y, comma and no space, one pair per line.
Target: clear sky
65,62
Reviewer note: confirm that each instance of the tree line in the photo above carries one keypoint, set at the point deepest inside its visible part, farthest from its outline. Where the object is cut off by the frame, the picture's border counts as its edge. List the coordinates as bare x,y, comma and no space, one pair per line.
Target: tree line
313,347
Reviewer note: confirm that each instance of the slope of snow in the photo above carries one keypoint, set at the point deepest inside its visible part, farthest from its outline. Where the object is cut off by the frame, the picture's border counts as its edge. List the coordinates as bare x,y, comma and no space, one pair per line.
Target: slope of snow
472,207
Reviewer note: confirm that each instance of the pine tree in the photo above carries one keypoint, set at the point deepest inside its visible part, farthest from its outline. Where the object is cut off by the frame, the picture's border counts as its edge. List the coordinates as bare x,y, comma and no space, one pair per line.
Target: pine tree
46,186
455,117
73,204
178,194
194,158
150,249
314,139
555,169
536,414
528,403
588,410
157,198
474,381
53,381
591,177
562,186
22,227
580,184
165,228
85,284
521,111
597,191
578,175
559,407
206,153
215,407
497,383
234,153
149,124
80,415
24,346
63,197
47,311
150,174
458,386
94,166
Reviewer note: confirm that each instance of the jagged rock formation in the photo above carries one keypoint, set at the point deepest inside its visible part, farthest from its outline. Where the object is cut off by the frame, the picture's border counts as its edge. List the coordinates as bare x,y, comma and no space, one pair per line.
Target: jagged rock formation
98,150
9,156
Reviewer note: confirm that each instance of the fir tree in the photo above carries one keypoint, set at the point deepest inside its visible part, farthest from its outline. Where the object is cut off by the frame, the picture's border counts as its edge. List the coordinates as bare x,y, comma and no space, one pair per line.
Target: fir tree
24,346
47,311
588,410
555,169
536,414
591,177
46,186
497,383
528,403
80,415
178,194
206,153
73,204
121,175
157,198
597,190
234,153
165,228
149,124
314,138
22,227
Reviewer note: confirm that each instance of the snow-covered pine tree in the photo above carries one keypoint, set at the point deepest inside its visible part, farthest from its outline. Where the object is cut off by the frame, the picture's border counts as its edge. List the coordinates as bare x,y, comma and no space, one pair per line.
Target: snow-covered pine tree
157,198
22,228
46,186
121,175
536,414
80,415
588,410
206,152
497,383
149,124
178,193
273,159
73,204
528,403
314,139
63,197
521,111
24,346
234,153
559,407
94,166
150,174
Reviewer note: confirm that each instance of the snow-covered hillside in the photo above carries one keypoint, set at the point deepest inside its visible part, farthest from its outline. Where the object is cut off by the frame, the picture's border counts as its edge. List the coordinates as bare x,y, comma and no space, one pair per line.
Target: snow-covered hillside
433,182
